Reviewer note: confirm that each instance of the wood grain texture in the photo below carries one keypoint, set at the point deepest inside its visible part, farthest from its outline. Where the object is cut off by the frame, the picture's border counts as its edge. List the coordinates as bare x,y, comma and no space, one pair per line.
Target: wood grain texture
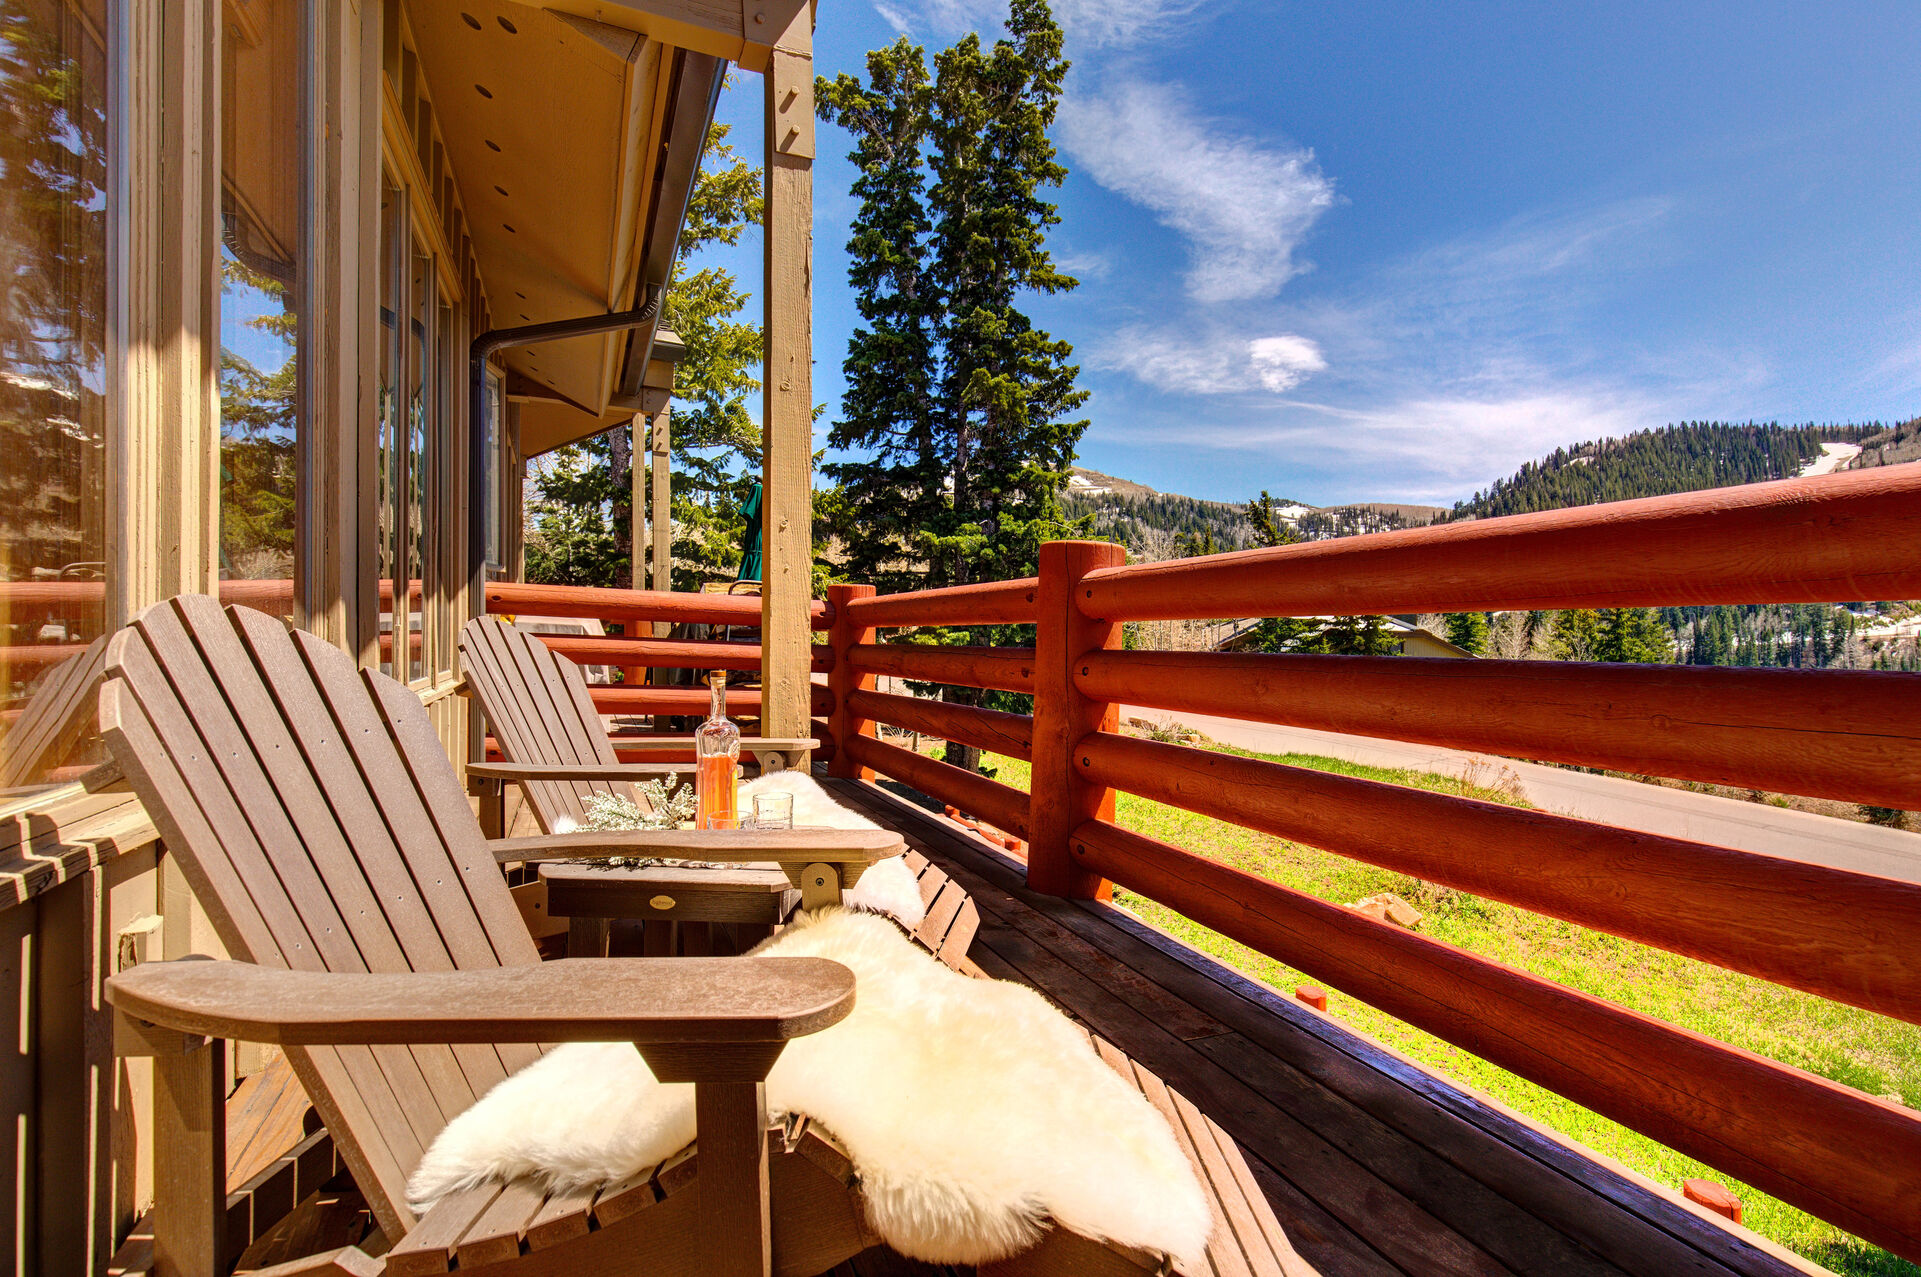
583,649
1062,715
1001,733
1787,1132
990,603
846,681
56,719
1827,931
992,801
703,1000
1006,669
1828,539
1852,735
515,598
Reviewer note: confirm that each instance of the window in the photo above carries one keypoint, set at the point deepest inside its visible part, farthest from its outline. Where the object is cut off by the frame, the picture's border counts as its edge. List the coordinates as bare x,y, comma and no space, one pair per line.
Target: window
260,324
53,338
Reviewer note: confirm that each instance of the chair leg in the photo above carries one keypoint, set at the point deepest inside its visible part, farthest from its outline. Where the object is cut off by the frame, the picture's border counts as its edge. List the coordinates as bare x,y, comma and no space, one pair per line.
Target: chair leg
189,1149
587,937
736,1233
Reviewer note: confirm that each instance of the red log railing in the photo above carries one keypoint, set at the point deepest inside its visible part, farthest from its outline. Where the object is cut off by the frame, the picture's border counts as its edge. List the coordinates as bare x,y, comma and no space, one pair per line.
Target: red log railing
1850,735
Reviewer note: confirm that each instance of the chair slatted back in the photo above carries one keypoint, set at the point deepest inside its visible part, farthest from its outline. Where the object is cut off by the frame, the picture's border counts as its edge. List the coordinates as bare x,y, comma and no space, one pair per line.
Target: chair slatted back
318,820
540,711
58,716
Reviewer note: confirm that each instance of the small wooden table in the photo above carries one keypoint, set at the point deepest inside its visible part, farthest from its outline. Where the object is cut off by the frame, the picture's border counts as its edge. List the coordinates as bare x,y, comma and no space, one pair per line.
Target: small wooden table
753,899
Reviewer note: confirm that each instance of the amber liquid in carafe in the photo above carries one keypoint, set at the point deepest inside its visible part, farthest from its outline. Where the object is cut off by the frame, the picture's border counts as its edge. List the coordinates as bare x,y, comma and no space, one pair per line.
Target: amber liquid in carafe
717,759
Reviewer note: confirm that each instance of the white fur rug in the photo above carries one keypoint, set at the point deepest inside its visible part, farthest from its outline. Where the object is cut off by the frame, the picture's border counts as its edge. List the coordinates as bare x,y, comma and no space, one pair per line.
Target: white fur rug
975,1114
887,886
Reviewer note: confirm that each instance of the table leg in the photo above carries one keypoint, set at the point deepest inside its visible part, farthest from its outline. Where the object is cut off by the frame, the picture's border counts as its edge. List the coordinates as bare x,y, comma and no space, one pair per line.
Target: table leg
587,937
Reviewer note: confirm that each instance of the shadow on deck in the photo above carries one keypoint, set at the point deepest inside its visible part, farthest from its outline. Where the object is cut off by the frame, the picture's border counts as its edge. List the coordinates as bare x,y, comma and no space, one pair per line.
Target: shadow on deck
1372,1164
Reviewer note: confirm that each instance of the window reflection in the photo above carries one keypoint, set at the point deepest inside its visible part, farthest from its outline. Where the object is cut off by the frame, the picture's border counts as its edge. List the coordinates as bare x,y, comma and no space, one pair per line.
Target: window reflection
53,303
393,232
259,321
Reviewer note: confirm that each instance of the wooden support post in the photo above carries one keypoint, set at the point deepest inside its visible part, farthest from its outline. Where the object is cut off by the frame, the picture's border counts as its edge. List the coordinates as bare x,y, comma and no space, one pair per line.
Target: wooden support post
735,1225
637,446
1062,797
189,1147
844,680
661,529
787,492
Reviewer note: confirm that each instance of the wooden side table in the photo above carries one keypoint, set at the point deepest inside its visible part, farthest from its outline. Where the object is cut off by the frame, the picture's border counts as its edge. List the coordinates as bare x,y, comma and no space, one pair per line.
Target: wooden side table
677,907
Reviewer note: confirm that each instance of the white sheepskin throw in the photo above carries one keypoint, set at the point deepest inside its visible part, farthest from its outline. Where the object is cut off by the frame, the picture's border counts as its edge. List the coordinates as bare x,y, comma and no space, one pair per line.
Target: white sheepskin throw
887,886
975,1114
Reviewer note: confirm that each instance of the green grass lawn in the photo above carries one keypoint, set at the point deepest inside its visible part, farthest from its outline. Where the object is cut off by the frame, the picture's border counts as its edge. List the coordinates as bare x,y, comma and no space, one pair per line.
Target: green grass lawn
1874,1053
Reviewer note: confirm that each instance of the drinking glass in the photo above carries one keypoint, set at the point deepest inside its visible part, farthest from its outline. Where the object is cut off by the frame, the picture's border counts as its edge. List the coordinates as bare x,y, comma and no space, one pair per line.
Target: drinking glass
773,811
720,820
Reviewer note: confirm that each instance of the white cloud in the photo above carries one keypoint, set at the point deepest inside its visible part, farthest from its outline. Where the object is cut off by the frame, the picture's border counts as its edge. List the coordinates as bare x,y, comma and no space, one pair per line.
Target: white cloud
1243,206
1282,361
1090,22
1217,364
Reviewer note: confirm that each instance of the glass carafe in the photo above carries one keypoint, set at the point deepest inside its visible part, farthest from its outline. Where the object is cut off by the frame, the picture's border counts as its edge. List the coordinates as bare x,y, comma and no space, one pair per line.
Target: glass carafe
717,758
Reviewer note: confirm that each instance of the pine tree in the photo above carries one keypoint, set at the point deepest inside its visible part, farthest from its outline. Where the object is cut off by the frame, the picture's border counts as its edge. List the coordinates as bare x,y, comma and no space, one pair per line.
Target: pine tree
1575,635
1269,528
1468,631
957,407
1632,635
1005,387
896,485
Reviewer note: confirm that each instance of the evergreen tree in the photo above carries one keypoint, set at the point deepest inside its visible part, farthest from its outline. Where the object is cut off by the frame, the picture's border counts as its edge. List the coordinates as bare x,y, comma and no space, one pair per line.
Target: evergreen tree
957,407
1632,635
1468,631
1268,528
896,485
1575,635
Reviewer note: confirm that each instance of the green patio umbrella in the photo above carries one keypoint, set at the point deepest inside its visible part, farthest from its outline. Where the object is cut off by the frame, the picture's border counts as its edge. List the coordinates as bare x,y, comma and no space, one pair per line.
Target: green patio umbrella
750,544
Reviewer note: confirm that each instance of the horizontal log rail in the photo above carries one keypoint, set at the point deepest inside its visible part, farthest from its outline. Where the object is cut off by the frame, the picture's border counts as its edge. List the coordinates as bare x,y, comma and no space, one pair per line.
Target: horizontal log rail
690,702
692,654
1840,935
992,603
641,747
1818,1145
517,598
1828,539
23,601
1007,669
989,729
998,804
1852,735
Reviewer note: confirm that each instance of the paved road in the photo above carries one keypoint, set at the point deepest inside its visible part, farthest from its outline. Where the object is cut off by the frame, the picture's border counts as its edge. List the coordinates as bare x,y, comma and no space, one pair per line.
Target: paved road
1677,813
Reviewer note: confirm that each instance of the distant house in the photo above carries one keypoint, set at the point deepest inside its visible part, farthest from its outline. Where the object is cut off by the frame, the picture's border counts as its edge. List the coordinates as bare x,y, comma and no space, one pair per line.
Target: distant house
1414,641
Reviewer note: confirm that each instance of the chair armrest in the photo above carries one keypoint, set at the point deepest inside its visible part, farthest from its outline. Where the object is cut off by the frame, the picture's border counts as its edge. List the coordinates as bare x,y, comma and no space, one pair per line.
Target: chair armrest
662,1001
821,862
524,772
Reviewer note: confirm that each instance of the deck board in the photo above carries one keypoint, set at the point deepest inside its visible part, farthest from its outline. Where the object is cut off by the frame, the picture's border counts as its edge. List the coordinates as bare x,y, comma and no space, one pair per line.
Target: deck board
1373,1164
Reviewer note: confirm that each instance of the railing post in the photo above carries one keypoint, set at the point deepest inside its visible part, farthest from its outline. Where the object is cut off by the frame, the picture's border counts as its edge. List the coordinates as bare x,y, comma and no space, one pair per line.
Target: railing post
844,681
1061,798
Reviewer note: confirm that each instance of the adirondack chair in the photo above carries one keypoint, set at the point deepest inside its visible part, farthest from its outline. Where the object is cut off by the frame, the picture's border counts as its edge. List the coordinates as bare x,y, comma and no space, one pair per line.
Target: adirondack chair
543,718
56,718
314,814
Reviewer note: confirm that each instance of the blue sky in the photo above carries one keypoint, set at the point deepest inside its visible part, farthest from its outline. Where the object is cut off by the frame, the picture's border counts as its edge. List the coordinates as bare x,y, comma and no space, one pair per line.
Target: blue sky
1389,251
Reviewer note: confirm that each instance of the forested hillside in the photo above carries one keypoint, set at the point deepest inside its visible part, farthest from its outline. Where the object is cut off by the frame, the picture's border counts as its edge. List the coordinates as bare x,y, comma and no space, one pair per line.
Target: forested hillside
1890,447
1650,463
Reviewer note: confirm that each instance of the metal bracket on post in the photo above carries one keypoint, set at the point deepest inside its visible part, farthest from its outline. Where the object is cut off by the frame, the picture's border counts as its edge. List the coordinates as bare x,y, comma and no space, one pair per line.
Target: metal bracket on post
844,680
1062,797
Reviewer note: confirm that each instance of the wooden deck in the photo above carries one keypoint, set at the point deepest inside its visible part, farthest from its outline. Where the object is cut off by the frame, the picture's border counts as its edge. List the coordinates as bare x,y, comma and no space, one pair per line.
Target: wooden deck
1373,1164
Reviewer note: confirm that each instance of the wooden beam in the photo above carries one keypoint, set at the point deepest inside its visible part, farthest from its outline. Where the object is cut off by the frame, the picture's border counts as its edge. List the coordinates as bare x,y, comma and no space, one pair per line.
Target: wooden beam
998,804
846,681
662,528
1008,669
989,729
1063,715
1830,932
991,603
1799,1137
743,31
1852,735
787,489
1830,539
